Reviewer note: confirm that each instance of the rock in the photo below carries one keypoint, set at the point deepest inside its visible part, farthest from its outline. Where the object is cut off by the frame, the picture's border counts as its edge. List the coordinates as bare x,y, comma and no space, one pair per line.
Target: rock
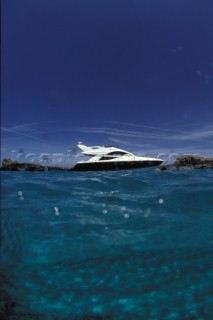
194,160
189,162
9,165
6,162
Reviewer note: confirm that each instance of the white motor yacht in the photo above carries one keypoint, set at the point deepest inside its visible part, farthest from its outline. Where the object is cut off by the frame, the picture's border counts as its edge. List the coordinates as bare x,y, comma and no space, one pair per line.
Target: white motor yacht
112,158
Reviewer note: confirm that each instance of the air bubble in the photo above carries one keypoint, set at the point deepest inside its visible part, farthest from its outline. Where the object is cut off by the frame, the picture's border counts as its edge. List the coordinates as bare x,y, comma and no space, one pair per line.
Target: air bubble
20,193
56,211
161,200
126,215
147,213
104,211
123,208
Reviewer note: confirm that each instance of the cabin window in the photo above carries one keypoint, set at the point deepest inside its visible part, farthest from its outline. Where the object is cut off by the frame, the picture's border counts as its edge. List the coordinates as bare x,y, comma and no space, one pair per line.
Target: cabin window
117,153
106,158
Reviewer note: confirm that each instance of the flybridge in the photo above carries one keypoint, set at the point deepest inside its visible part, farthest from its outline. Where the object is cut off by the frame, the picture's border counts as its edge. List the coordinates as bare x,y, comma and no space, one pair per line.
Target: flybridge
101,150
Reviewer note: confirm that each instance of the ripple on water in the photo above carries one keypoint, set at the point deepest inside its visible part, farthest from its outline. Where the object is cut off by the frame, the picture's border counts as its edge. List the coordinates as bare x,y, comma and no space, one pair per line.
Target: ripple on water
107,245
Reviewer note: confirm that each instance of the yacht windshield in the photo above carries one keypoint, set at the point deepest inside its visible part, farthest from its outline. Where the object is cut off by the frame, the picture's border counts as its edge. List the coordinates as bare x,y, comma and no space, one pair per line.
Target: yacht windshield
106,158
117,153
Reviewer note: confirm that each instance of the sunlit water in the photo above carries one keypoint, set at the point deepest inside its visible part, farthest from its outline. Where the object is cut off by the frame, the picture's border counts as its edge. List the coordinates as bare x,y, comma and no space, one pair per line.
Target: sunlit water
107,245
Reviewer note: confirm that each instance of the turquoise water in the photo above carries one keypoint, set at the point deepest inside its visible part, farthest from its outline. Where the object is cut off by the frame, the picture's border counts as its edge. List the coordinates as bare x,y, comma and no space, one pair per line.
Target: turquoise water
107,245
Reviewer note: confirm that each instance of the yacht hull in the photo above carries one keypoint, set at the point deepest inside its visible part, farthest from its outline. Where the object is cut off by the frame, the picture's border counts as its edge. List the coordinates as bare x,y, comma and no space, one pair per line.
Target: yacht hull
119,165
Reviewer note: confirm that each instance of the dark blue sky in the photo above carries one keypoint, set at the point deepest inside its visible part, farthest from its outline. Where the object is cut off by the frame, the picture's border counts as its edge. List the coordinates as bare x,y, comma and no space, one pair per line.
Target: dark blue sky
74,68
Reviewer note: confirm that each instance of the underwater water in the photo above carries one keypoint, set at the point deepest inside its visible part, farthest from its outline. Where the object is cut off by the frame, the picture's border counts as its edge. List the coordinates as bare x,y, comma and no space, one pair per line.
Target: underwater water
107,245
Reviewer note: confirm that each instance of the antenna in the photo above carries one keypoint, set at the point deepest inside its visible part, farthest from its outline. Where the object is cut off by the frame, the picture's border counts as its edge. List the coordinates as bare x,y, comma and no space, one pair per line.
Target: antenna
77,141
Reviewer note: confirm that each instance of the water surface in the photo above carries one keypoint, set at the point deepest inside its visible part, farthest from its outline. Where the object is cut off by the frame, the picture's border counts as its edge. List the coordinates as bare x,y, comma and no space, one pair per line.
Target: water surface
107,245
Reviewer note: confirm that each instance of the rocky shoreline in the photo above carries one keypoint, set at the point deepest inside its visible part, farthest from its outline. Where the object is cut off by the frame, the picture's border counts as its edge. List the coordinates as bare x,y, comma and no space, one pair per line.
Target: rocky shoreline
187,162
10,165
